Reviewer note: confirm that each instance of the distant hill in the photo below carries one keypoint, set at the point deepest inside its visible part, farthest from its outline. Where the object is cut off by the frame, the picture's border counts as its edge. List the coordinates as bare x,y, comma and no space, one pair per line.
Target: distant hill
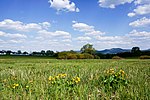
146,50
113,51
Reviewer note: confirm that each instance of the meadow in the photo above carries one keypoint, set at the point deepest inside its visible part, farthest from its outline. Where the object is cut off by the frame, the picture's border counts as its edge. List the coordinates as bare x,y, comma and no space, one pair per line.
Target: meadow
31,78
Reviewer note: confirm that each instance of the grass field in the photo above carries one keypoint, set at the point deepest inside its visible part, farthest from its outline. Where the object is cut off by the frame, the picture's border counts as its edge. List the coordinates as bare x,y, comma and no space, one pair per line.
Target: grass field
24,78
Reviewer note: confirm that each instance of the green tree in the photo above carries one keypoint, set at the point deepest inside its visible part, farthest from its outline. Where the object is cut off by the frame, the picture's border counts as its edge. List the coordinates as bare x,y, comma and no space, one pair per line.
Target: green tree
88,48
136,51
43,53
49,53
8,52
25,53
19,52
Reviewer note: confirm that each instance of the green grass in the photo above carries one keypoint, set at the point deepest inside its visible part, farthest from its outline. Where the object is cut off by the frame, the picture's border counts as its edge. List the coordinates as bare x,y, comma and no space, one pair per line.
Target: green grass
34,73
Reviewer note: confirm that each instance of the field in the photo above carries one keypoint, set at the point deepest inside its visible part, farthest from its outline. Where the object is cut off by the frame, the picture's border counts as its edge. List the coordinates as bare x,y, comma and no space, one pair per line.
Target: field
24,78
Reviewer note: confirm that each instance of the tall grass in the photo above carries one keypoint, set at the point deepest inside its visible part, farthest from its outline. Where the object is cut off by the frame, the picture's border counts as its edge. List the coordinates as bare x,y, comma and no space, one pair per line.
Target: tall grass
27,79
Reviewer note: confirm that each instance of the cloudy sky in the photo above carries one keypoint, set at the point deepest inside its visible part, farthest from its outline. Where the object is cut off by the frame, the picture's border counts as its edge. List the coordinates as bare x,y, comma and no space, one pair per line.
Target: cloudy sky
59,25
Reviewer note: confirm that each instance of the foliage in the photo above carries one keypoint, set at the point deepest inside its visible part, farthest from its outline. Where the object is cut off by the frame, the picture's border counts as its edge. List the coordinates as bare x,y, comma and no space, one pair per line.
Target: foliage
136,51
145,57
88,48
116,57
96,57
71,56
111,81
68,55
62,55
80,56
88,56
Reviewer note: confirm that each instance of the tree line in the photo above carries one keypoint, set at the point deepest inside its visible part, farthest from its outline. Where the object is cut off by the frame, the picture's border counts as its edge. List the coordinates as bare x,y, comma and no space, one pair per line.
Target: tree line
86,52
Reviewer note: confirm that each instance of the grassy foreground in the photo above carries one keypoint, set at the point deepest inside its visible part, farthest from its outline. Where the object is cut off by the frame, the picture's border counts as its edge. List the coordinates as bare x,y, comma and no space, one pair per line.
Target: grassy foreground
33,79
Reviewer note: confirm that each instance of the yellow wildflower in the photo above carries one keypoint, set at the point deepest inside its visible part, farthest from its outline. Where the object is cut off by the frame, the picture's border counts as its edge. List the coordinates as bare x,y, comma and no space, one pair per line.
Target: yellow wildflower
122,72
13,87
78,79
50,78
27,86
56,77
15,84
8,86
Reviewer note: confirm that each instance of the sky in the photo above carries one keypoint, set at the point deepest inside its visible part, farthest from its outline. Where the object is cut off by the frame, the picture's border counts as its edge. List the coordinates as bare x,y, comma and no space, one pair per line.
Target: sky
58,25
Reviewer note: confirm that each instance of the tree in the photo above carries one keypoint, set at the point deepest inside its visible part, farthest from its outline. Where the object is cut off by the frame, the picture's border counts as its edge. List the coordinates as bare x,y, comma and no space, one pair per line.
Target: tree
136,51
43,53
88,48
49,53
19,52
25,53
8,52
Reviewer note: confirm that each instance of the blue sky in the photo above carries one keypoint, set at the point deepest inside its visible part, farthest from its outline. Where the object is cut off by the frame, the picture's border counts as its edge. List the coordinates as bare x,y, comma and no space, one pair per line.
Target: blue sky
58,25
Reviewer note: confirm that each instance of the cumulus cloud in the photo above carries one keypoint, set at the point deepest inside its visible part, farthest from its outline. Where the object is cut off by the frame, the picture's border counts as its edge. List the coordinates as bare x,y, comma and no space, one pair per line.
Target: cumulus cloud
45,25
67,40
9,35
9,38
137,34
85,38
82,27
142,2
112,3
13,34
87,29
140,10
143,22
20,26
63,5
63,34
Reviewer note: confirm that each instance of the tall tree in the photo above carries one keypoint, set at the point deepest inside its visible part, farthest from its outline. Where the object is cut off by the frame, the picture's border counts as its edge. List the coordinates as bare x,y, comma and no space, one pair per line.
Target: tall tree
19,52
88,48
49,53
136,51
43,53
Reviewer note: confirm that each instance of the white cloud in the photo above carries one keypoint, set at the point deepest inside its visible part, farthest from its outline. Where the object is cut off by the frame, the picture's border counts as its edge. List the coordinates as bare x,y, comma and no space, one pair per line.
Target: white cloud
143,22
131,14
63,34
137,34
87,29
94,33
142,2
63,5
14,41
82,27
140,10
20,26
108,38
112,3
83,38
45,25
9,35
16,35
67,40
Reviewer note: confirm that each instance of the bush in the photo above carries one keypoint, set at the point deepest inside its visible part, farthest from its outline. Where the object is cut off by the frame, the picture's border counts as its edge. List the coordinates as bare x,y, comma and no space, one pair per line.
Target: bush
116,57
71,56
145,57
80,56
113,80
96,57
88,56
62,55
68,55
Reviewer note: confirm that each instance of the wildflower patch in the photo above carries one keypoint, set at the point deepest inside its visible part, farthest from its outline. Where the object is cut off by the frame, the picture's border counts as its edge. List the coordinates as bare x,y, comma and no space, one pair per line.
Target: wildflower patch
113,80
